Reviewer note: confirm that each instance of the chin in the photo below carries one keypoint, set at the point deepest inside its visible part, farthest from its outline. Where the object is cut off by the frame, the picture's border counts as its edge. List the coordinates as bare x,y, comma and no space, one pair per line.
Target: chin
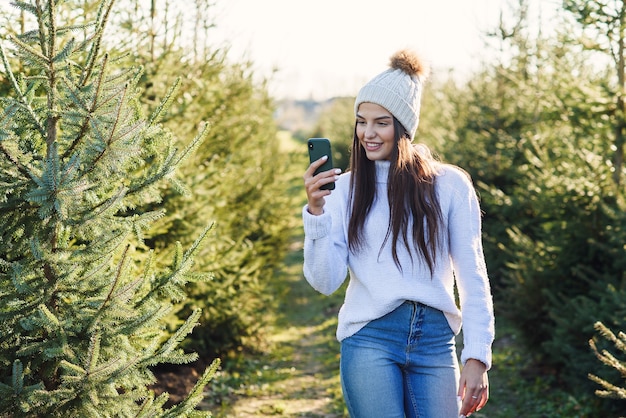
376,156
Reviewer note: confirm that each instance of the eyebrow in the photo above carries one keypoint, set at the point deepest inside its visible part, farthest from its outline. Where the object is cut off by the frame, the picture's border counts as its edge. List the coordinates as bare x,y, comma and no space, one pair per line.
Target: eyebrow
377,118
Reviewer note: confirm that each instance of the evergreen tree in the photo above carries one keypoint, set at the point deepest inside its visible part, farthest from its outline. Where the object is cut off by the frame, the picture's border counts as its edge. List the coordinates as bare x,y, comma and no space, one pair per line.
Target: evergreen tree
237,176
602,25
535,132
81,300
239,182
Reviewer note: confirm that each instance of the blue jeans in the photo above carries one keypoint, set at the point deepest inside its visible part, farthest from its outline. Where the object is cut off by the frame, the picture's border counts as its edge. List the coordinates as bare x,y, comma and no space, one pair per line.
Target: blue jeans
402,365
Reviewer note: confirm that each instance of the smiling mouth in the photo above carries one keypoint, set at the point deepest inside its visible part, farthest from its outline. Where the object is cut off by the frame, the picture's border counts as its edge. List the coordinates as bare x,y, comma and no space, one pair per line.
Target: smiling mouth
372,146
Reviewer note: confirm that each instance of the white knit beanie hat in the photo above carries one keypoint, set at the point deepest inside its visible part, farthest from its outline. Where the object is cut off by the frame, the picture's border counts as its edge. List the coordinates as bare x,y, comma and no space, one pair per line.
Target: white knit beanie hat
398,89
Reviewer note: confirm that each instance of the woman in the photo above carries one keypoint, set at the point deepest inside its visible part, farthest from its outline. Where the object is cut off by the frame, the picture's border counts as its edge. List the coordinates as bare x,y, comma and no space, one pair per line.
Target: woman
408,230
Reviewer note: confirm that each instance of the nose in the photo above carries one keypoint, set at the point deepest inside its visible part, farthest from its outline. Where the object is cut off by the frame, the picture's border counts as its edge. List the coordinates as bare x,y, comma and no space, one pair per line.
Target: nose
369,131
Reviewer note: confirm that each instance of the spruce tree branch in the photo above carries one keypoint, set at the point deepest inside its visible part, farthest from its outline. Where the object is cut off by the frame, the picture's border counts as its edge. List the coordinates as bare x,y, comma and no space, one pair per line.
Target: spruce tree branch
34,54
98,210
195,247
116,281
90,109
101,21
194,144
65,52
93,353
52,35
22,99
14,160
17,375
113,128
163,171
150,405
195,395
611,391
73,367
54,323
181,265
180,334
42,26
171,162
158,113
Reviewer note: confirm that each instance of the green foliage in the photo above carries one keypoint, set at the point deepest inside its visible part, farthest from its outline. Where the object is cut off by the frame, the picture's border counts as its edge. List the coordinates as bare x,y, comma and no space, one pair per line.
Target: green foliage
535,132
82,302
568,271
243,187
542,394
237,181
602,27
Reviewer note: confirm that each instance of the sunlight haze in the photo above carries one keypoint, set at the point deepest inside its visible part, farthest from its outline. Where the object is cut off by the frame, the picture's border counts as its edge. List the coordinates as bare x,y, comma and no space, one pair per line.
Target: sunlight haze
331,47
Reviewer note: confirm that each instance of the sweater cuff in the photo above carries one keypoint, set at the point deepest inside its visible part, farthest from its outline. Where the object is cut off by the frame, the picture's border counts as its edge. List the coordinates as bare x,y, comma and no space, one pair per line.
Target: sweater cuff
315,226
478,352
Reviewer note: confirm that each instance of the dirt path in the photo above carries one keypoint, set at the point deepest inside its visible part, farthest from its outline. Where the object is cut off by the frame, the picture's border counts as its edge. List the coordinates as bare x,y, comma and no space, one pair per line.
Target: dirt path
298,375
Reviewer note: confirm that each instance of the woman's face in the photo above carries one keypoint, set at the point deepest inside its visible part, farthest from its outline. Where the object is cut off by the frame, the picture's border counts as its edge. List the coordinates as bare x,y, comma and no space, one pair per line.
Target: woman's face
374,129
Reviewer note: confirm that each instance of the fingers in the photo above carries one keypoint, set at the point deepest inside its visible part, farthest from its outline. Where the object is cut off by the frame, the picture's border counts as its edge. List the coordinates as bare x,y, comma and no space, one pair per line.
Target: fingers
313,183
483,399
315,165
474,401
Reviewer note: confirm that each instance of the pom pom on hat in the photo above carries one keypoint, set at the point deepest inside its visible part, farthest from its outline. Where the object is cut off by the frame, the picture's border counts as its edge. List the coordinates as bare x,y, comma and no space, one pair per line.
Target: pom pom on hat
398,89
410,63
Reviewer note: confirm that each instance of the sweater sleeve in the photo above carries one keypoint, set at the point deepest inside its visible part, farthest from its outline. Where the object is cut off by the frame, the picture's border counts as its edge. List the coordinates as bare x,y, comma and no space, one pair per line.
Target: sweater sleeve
325,249
466,251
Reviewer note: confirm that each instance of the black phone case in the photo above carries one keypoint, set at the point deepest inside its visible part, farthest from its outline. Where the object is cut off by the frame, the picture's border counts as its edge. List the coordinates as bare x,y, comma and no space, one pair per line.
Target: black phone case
318,147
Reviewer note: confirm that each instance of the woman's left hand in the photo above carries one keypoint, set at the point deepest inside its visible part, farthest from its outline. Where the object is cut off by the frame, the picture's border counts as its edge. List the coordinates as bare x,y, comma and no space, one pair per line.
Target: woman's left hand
473,387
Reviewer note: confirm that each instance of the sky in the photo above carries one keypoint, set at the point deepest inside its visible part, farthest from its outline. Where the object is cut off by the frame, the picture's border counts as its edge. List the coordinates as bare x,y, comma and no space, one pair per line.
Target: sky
325,48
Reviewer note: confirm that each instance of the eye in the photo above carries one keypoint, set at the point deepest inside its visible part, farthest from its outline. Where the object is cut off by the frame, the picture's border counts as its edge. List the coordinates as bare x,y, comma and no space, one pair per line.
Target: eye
360,122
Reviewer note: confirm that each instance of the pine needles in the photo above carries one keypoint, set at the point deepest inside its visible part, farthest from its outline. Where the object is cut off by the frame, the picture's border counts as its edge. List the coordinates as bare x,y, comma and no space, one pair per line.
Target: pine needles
82,304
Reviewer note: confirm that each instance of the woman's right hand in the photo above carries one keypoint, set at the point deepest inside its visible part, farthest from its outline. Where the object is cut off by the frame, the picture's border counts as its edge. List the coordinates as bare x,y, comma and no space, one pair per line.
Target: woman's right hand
312,184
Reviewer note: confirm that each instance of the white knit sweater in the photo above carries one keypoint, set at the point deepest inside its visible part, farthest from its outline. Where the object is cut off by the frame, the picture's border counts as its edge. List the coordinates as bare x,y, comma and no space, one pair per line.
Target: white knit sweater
377,286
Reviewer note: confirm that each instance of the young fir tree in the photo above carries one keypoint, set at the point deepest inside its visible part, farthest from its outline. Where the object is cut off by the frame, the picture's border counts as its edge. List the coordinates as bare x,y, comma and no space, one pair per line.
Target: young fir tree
81,302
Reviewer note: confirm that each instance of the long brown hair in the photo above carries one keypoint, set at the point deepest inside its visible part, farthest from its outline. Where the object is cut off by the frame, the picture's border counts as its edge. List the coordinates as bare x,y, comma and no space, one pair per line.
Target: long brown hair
411,194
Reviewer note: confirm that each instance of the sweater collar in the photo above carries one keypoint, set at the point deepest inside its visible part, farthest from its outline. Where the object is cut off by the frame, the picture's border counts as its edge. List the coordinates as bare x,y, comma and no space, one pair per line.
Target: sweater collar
382,170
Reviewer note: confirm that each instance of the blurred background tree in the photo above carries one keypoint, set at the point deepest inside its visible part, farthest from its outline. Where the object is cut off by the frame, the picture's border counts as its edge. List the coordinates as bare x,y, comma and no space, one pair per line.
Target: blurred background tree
336,122
537,132
237,178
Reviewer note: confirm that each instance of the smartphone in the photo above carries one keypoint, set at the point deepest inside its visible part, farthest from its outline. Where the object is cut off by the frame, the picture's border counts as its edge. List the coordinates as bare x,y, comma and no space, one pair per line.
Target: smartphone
318,147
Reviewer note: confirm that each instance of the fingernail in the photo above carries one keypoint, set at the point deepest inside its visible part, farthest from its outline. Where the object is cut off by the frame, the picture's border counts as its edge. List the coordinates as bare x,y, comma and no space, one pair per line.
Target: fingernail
458,398
325,157
338,170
